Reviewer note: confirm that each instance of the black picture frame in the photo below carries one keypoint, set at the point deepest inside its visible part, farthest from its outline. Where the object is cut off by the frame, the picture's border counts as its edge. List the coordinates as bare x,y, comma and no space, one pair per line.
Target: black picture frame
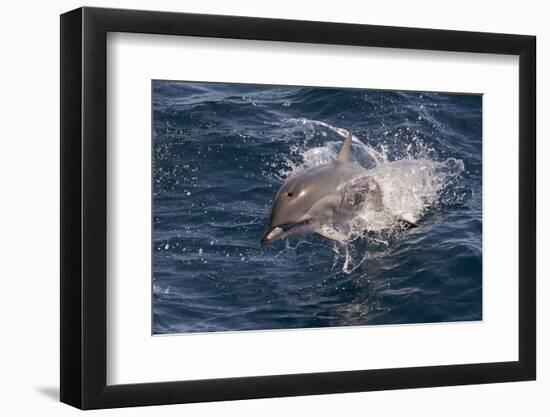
84,207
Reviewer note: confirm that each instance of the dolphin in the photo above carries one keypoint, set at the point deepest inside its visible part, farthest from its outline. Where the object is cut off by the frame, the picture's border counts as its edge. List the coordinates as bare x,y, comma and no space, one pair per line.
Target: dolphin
323,199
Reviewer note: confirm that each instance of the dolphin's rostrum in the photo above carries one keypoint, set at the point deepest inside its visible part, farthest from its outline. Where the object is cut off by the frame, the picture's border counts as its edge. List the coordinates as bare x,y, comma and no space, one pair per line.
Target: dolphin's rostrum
323,199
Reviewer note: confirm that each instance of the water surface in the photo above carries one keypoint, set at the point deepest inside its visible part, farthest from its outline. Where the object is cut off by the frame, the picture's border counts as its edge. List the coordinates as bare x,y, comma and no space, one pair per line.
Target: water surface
221,152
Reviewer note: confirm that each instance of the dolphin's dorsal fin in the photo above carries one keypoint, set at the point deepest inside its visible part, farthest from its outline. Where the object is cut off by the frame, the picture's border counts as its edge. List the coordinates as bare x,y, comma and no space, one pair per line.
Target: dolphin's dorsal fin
344,155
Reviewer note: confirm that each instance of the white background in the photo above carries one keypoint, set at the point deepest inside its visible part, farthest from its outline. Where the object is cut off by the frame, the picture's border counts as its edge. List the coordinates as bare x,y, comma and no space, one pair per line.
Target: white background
29,213
134,356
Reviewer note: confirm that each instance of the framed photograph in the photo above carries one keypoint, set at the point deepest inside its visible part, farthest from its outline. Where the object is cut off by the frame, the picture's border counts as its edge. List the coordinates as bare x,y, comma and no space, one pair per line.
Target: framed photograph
258,208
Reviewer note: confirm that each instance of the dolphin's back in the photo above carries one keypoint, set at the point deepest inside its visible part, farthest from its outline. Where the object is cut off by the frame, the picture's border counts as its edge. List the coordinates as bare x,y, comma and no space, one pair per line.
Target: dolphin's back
333,174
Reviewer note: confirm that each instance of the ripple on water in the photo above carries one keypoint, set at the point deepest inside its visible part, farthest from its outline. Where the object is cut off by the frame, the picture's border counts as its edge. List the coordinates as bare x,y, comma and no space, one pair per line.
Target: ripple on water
222,151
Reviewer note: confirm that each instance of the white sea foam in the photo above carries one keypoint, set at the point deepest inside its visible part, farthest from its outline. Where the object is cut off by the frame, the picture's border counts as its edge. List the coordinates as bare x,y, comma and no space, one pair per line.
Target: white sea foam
158,290
409,188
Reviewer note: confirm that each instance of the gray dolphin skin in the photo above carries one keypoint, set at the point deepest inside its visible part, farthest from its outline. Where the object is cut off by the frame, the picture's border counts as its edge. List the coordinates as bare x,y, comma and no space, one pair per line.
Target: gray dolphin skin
323,199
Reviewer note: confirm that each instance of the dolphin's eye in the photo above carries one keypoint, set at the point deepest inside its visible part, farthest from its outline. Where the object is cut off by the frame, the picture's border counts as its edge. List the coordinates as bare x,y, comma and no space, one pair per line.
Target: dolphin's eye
290,194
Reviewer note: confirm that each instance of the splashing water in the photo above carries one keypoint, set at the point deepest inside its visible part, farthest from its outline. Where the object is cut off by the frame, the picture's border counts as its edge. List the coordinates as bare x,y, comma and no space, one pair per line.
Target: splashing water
410,187
326,152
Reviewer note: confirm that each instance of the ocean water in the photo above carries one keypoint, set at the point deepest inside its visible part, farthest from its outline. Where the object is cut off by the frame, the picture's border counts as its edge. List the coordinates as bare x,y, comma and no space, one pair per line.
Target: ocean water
221,152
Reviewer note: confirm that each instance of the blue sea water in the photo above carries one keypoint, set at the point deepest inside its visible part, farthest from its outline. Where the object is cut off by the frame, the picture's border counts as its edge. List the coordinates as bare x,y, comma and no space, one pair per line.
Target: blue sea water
221,152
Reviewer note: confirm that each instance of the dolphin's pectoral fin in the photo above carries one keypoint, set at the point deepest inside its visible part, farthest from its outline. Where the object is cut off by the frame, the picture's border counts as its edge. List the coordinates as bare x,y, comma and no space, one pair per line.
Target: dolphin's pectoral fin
406,221
330,232
362,191
407,224
344,155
